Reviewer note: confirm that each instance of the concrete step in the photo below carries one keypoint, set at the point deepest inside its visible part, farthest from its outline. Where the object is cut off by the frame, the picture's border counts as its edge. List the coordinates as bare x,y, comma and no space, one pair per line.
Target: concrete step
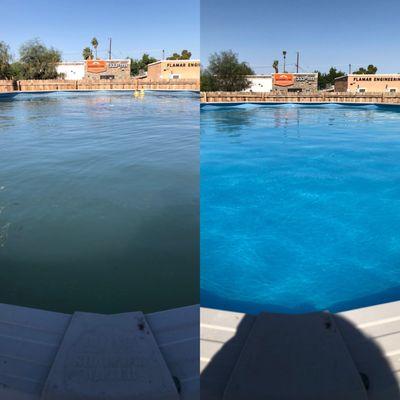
295,357
109,357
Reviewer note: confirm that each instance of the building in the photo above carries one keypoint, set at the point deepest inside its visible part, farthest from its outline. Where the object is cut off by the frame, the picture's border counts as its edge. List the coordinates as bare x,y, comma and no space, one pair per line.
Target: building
72,70
108,69
95,69
174,69
259,83
295,82
378,83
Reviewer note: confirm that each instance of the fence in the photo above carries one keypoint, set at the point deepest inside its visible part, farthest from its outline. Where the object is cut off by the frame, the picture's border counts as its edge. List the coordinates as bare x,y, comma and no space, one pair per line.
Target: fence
7,86
319,97
91,84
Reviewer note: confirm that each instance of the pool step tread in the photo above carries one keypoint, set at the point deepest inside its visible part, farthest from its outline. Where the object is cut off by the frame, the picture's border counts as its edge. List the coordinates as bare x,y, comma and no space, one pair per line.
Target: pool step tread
376,351
220,329
377,326
177,334
109,356
30,338
317,363
376,356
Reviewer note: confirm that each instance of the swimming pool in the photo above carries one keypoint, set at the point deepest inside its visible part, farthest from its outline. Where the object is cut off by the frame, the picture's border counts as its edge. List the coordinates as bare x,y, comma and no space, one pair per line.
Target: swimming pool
99,201
300,207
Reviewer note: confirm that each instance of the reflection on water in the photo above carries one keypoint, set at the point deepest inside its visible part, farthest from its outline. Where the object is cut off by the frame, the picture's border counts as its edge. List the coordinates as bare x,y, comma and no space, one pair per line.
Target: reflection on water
99,206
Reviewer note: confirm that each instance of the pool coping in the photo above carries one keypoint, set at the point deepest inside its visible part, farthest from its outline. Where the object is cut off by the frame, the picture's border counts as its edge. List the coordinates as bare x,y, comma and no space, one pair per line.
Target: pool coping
310,103
16,92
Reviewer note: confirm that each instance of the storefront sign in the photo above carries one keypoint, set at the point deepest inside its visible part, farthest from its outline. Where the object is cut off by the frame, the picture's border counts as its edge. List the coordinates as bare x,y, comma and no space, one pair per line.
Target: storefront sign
96,66
117,65
183,64
306,78
283,79
393,78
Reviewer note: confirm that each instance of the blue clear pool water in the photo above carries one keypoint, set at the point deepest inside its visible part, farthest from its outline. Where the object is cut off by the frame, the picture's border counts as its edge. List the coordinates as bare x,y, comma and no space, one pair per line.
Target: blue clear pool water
99,201
300,207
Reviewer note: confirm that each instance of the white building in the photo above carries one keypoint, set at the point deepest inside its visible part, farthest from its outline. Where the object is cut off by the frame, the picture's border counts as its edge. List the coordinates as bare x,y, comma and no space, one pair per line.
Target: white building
72,70
259,83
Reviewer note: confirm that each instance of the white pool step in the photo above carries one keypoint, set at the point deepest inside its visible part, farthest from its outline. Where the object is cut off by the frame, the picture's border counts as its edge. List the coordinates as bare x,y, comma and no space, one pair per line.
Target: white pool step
301,357
371,336
30,340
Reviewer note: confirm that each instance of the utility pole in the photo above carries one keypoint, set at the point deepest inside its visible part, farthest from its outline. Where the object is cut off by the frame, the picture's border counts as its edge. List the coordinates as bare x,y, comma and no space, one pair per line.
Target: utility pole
163,54
297,62
109,49
284,61
349,69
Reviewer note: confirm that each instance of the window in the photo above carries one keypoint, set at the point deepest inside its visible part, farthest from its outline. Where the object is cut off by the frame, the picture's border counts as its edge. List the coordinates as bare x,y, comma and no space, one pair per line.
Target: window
361,90
175,76
392,90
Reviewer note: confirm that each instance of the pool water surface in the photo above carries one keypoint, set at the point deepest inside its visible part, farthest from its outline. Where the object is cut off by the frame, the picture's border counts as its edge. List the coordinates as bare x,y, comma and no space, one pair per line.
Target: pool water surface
300,207
99,201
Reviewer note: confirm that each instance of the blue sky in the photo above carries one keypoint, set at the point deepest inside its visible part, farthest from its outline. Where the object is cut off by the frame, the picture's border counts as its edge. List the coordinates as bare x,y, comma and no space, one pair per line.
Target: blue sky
325,32
135,26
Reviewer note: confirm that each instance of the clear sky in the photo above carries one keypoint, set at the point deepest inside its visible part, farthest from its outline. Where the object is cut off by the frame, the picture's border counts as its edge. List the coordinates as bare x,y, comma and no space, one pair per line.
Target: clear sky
325,32
136,26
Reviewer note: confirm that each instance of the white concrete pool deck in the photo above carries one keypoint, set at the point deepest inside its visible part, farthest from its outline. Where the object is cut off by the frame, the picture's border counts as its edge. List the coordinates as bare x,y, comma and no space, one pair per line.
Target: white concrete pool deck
43,349
371,336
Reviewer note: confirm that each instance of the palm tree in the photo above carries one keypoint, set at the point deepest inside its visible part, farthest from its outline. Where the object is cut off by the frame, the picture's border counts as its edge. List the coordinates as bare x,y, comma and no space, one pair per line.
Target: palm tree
87,53
275,66
95,43
284,61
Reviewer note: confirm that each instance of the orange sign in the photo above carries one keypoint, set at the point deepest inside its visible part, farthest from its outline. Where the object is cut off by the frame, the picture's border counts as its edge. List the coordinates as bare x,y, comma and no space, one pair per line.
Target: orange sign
283,79
96,66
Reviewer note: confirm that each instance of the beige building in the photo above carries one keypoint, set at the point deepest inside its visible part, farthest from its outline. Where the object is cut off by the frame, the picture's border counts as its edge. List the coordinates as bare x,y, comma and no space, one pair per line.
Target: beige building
174,69
295,82
108,69
378,83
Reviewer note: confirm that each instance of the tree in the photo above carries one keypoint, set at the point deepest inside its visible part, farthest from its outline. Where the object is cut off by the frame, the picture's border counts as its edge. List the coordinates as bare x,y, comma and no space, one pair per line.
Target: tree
185,55
284,52
371,70
226,73
87,53
95,43
207,82
37,61
5,61
140,65
275,65
17,71
326,80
